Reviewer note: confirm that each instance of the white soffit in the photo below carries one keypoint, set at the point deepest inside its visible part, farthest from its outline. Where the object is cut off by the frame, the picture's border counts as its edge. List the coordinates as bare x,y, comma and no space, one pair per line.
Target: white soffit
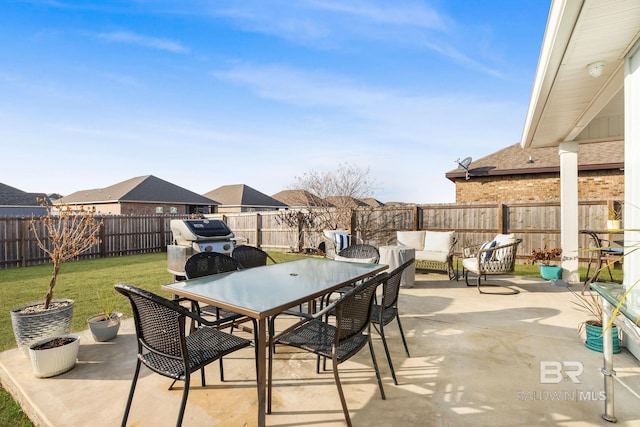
565,98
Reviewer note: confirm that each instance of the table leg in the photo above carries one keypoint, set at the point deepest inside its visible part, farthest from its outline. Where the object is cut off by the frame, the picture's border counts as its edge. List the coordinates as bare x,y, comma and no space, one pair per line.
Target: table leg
261,365
607,369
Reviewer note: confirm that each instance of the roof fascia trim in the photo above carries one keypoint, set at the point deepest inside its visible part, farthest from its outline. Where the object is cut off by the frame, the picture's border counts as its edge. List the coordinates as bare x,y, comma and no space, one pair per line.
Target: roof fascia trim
561,22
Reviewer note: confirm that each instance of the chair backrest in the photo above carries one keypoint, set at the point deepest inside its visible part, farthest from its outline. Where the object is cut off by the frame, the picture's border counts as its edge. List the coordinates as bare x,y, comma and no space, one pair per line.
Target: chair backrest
250,256
503,260
391,285
160,323
366,253
353,310
208,263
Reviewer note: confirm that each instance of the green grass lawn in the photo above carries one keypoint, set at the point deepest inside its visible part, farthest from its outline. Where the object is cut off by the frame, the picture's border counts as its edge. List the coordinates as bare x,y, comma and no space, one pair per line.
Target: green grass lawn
83,281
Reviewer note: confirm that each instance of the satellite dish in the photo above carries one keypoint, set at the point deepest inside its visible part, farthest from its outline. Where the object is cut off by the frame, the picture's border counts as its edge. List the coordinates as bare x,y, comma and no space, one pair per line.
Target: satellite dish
464,164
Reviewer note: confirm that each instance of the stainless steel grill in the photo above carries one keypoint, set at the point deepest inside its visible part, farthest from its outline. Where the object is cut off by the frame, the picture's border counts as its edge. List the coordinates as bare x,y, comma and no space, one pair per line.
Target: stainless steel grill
197,235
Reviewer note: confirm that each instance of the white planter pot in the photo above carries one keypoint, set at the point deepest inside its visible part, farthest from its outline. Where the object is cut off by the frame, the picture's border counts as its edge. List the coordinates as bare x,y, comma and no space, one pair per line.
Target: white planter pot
54,361
104,330
614,224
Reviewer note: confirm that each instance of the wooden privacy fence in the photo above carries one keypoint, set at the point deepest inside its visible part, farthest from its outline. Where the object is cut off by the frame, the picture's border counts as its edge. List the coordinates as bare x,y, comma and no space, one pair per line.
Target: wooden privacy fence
119,235
534,222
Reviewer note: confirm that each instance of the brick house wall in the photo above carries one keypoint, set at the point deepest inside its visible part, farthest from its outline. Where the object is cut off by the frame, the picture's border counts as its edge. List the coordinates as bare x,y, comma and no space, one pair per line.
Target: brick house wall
601,184
132,208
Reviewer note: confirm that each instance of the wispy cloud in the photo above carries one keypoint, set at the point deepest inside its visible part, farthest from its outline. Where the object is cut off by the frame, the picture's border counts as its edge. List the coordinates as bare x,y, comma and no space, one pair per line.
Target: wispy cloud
421,118
390,13
128,37
331,24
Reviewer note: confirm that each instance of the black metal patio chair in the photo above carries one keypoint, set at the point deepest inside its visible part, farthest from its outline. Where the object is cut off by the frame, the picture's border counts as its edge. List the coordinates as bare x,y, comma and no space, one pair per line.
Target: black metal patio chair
250,256
387,310
205,264
166,349
339,341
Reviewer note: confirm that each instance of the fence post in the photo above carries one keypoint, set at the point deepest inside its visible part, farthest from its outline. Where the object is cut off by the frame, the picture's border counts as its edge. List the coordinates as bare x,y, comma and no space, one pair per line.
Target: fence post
416,218
24,233
103,239
258,233
163,237
502,229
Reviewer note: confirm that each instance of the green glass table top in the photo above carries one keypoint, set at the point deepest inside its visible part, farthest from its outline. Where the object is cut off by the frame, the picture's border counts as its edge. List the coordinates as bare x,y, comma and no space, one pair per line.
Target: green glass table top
613,293
263,291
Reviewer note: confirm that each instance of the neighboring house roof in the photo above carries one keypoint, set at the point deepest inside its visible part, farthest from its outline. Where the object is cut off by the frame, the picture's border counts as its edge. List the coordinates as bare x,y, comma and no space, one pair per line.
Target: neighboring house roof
516,160
345,201
10,196
370,201
299,198
140,189
242,195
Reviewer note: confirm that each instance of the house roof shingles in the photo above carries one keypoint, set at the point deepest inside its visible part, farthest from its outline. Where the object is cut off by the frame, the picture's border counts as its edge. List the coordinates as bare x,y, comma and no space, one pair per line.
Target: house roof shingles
10,196
146,188
242,195
299,198
514,159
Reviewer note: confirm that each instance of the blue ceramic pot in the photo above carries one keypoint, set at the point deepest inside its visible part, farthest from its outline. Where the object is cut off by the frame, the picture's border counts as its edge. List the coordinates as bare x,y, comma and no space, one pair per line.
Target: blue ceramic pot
594,337
551,272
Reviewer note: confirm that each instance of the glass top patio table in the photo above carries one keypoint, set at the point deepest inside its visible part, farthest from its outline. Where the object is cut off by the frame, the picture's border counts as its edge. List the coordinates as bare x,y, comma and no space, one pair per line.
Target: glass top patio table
264,291
630,307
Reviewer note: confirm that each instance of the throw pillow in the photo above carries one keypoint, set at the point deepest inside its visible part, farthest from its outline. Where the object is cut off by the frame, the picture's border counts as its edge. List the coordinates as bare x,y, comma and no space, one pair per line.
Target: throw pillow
362,260
486,256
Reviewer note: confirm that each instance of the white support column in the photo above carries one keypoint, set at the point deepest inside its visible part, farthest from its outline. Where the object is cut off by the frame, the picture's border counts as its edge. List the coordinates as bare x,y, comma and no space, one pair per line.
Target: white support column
631,218
569,210
631,222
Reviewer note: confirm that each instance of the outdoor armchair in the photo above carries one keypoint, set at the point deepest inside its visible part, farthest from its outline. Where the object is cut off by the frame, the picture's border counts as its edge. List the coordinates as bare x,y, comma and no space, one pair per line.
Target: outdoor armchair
497,257
334,241
166,349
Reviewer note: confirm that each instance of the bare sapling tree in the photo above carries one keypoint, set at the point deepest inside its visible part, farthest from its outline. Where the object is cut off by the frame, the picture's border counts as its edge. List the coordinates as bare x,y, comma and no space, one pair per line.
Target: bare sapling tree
338,192
299,220
64,236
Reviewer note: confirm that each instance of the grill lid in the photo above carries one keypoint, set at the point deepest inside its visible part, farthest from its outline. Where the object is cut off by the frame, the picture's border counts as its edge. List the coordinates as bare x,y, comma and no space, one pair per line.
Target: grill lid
186,231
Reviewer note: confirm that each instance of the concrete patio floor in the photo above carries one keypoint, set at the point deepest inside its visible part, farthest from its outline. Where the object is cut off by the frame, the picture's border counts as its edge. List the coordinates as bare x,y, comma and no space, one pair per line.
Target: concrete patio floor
475,361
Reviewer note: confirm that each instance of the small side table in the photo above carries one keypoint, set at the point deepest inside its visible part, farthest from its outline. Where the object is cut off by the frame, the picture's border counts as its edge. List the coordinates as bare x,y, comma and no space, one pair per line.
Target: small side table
394,257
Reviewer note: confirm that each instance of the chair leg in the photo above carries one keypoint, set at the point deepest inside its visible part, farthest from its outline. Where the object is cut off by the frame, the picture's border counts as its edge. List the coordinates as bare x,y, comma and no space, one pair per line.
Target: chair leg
386,350
404,341
130,399
511,291
183,404
341,393
375,366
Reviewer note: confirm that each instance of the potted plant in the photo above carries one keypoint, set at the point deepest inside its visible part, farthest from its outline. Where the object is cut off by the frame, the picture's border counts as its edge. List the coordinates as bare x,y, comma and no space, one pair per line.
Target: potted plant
62,235
545,256
614,221
104,326
590,303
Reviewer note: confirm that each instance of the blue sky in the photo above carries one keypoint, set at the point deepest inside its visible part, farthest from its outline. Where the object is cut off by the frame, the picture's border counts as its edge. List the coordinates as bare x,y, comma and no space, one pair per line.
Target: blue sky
258,92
